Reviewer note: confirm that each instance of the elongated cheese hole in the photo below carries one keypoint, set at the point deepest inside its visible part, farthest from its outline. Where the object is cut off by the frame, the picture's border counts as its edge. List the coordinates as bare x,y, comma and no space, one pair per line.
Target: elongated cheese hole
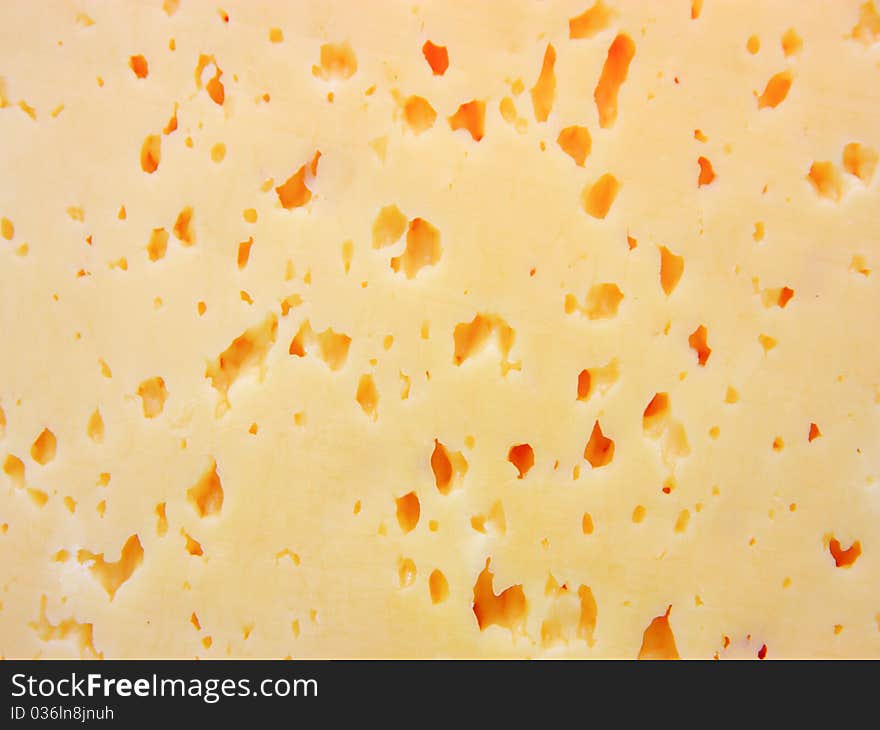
153,395
206,495
151,153
406,572
158,244
614,73
775,91
671,269
13,467
184,230
584,385
707,174
860,160
699,343
438,586
544,91
367,396
588,613
138,64
95,427
814,432
244,252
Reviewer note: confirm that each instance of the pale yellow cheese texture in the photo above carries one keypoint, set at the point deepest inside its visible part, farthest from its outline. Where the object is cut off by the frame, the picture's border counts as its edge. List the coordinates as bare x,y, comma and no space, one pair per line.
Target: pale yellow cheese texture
440,329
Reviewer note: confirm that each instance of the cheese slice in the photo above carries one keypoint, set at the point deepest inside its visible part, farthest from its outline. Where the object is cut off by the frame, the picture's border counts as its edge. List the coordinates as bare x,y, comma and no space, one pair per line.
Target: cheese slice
531,329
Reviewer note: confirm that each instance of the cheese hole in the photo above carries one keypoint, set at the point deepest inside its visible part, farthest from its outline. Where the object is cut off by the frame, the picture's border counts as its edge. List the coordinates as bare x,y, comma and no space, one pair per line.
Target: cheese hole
422,248
158,244
446,466
112,575
437,57
206,495
671,269
544,91
406,572
576,142
184,230
275,35
408,511
218,152
597,199
13,467
7,229
698,342
522,456
438,587
814,432
584,385
592,21
153,395
44,447
419,114
247,351
603,301
587,524
844,558
139,65
337,61
791,43
638,514
825,179
151,153
599,450
658,641
294,193
470,338
244,252
775,91
767,342
367,396
656,414
682,521
161,520
193,547
95,427
860,160
753,44
707,174
507,609
471,116
614,73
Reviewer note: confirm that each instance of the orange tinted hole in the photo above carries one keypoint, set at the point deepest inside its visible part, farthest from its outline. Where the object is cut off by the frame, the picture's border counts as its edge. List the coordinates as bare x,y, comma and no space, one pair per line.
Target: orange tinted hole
419,114
614,73
183,227
785,295
522,456
791,42
576,143
294,193
544,91
584,385
438,586
151,152
671,269
507,609
590,22
658,641
599,450
776,90
337,61
587,524
707,174
860,161
437,58
139,65
244,252
597,198
44,447
206,495
753,44
408,511
844,558
814,432
699,344
825,180
470,116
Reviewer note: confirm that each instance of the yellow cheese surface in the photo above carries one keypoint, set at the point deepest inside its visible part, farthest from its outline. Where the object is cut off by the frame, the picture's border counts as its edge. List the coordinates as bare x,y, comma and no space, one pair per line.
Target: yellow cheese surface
428,329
